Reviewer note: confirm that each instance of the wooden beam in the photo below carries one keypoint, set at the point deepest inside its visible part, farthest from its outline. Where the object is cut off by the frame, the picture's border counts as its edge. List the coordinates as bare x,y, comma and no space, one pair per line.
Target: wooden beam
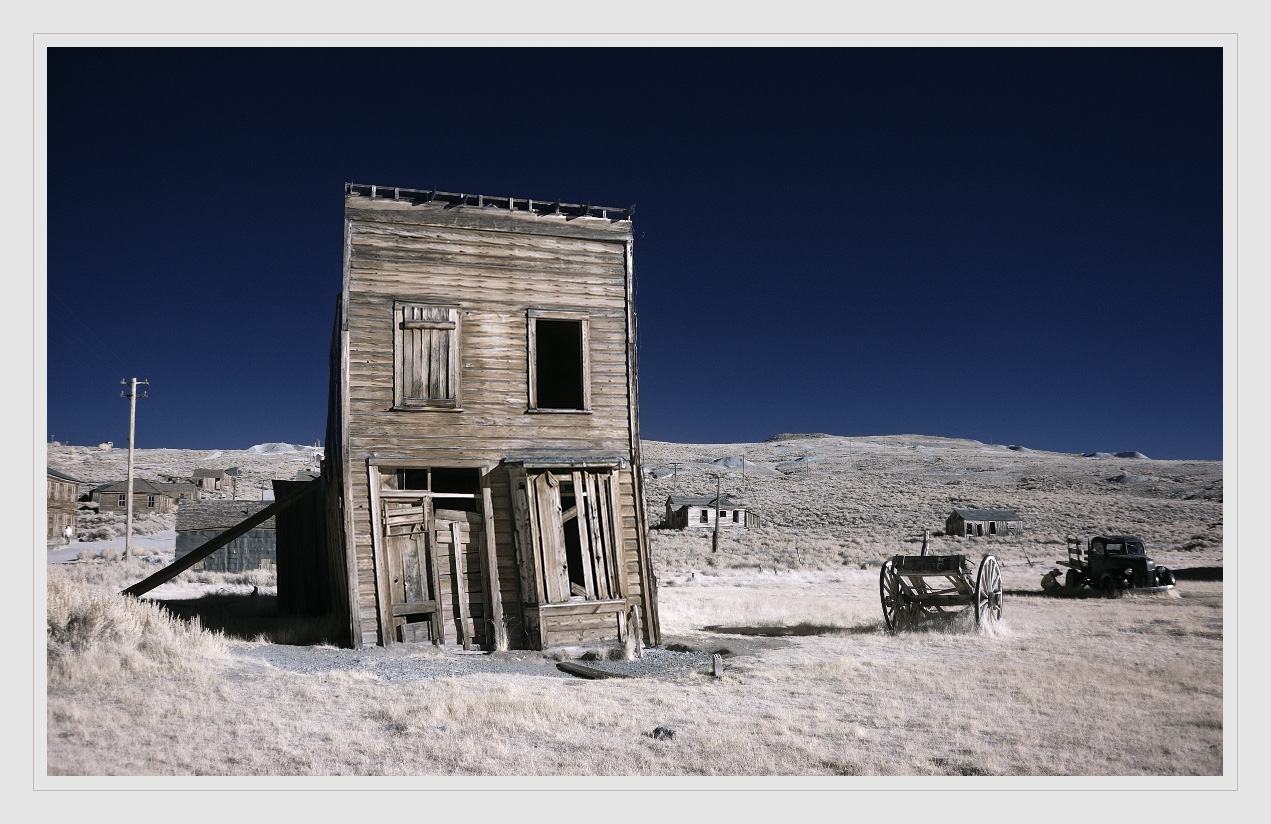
175,568
459,576
379,555
497,638
590,673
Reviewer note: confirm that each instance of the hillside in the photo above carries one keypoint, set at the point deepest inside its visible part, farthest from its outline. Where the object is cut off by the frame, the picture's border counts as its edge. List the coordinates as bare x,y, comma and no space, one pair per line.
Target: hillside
827,501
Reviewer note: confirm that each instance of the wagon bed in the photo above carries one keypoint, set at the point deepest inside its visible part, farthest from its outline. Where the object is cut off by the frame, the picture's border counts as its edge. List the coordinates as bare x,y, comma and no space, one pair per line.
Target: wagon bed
921,589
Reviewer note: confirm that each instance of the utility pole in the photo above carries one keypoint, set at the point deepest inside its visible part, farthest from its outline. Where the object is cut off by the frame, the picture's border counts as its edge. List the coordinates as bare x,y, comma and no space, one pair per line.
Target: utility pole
715,536
131,394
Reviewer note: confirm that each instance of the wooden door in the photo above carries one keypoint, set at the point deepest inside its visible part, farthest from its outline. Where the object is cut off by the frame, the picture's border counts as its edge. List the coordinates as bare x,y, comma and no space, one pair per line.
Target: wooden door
458,538
413,573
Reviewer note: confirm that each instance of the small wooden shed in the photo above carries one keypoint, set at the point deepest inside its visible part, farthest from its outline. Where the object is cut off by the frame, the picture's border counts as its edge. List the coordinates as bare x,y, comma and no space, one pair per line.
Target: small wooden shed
210,480
968,523
63,506
200,521
689,512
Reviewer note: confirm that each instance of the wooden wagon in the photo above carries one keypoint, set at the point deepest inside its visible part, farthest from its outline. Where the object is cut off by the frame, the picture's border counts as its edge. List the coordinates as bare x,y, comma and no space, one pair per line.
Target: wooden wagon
922,589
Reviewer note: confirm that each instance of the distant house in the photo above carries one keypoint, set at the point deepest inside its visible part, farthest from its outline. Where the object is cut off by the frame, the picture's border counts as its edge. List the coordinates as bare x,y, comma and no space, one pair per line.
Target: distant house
181,490
210,480
63,494
967,523
200,521
147,496
686,512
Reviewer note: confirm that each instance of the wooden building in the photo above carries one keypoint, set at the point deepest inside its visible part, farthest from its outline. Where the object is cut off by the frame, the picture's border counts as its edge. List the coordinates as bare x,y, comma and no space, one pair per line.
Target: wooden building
482,473
63,506
200,521
688,512
180,491
967,523
147,496
210,480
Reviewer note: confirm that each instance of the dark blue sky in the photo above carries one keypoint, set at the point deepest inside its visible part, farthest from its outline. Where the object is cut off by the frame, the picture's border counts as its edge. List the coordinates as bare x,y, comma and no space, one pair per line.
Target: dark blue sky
1017,245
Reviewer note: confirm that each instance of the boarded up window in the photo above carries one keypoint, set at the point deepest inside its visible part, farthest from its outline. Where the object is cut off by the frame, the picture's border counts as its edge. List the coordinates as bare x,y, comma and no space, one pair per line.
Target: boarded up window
426,347
571,529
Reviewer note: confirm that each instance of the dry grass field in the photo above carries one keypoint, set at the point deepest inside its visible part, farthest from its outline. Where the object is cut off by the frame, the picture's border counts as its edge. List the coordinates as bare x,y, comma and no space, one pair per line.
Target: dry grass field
812,685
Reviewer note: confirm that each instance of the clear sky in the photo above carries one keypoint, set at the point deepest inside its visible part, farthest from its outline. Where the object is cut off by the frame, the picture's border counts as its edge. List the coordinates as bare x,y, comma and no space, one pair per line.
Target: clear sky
1017,245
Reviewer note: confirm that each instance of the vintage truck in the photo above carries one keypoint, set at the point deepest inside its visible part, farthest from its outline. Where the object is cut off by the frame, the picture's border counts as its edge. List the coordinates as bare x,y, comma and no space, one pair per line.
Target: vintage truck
1113,564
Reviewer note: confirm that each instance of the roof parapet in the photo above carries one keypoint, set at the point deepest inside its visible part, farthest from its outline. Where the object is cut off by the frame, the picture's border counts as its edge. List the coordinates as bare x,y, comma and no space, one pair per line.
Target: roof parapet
512,204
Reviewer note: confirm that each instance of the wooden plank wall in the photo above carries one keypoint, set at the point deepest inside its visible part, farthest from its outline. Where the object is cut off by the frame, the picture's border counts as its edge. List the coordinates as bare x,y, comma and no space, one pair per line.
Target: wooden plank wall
496,266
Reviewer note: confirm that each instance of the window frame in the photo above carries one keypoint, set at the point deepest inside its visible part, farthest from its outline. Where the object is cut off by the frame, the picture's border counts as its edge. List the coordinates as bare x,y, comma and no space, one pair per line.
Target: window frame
400,401
531,347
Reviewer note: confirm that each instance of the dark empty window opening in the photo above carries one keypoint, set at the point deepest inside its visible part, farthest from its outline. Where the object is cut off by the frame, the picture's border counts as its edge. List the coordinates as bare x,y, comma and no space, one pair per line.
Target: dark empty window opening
992,527
573,544
412,479
447,479
706,516
558,364
736,516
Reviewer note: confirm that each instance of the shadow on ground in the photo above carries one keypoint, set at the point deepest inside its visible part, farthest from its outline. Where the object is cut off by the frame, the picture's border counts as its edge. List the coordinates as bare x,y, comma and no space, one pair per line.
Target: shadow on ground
253,617
1187,574
796,631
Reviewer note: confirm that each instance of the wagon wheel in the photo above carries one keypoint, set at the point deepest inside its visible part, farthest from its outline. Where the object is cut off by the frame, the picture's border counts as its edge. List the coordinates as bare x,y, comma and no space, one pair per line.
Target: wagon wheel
988,591
889,592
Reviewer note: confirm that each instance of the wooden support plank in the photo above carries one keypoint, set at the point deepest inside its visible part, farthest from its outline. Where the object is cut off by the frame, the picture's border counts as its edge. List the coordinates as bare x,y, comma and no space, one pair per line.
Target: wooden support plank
497,637
438,624
379,552
419,608
460,583
555,576
598,560
177,567
583,608
616,543
584,535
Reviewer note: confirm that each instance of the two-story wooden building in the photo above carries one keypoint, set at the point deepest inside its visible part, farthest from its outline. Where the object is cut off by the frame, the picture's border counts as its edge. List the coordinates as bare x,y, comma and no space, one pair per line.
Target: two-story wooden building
482,471
62,508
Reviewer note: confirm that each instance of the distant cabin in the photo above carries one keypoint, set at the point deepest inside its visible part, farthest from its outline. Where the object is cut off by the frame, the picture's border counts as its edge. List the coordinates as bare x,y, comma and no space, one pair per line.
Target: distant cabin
210,480
181,490
968,523
147,496
63,494
200,521
685,512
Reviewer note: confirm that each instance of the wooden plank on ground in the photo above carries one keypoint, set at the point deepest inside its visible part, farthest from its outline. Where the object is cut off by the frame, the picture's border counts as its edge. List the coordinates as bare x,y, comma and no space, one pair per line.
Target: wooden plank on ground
591,673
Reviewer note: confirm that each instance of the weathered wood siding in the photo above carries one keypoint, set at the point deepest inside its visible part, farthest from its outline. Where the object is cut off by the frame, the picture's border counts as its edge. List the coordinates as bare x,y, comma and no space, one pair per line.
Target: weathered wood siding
496,267
254,550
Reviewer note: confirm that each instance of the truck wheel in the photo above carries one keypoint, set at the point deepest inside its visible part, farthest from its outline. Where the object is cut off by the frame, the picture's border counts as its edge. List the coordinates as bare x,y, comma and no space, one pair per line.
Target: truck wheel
1108,586
1073,580
1164,577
